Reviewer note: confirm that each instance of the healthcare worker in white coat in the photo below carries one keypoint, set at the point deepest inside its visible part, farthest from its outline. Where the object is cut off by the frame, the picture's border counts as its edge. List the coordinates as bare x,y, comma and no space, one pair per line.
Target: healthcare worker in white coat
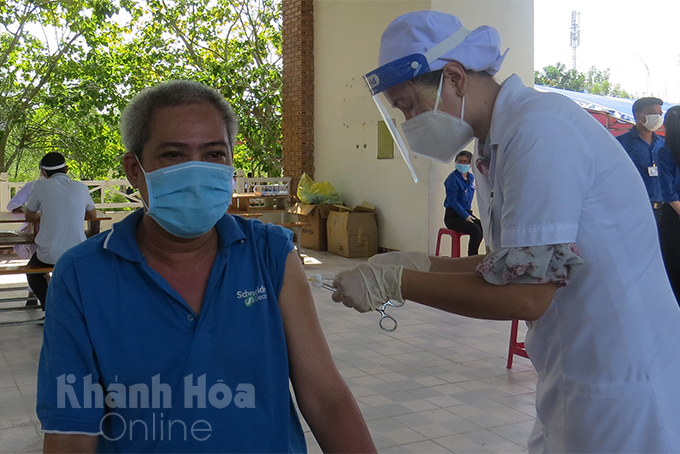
574,246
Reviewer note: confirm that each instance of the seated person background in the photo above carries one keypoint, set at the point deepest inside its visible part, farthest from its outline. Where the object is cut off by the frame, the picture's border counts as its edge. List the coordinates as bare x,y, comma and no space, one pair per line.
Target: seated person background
62,205
23,251
16,204
460,189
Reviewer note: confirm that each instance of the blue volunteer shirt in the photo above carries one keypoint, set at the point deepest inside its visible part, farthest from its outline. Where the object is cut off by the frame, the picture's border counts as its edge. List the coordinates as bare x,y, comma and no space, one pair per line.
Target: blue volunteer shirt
459,193
125,357
669,176
644,155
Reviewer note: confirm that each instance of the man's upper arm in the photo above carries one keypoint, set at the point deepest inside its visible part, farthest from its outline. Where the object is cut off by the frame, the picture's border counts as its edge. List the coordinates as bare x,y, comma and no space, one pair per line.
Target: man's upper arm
667,176
91,214
67,361
89,203
33,202
20,198
31,215
311,363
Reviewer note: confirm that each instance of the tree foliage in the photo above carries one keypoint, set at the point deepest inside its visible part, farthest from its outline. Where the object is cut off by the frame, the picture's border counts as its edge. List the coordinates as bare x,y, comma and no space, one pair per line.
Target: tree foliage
595,81
67,68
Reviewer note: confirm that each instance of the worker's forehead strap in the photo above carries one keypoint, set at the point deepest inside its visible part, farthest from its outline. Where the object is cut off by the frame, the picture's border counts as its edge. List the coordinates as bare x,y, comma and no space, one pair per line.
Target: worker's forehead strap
58,166
410,66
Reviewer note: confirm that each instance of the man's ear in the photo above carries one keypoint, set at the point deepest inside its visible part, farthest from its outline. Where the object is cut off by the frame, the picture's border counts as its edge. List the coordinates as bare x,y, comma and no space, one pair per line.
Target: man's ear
132,169
455,73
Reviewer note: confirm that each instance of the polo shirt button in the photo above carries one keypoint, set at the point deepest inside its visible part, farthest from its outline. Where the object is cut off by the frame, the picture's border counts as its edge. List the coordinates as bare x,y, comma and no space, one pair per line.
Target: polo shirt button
190,317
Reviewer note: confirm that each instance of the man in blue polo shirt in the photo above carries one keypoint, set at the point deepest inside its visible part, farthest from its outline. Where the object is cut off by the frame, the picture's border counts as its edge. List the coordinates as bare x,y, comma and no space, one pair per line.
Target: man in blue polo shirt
643,145
180,329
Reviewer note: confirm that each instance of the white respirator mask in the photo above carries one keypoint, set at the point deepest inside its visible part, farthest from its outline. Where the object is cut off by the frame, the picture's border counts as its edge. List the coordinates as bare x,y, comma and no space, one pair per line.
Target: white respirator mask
436,134
653,122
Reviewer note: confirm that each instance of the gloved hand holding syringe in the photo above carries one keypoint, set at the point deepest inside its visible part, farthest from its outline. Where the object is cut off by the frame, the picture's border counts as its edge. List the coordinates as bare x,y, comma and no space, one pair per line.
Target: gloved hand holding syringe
375,284
390,325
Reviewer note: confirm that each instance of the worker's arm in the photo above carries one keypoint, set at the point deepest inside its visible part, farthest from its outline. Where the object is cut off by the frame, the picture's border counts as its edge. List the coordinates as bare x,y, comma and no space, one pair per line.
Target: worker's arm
420,261
31,215
69,443
455,265
91,214
368,285
324,399
470,295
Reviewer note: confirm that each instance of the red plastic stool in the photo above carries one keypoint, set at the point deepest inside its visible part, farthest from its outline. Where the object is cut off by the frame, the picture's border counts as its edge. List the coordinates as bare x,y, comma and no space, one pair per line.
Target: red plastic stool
516,348
455,241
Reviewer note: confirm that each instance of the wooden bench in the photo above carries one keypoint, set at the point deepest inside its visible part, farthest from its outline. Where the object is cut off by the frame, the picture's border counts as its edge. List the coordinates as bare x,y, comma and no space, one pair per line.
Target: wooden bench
8,270
245,214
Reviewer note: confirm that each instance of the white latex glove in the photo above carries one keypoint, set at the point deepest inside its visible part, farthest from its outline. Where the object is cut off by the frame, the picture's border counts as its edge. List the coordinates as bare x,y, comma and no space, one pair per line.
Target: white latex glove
411,260
368,285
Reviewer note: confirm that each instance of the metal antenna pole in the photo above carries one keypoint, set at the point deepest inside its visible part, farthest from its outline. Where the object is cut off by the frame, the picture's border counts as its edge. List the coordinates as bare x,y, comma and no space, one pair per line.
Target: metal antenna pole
648,85
575,35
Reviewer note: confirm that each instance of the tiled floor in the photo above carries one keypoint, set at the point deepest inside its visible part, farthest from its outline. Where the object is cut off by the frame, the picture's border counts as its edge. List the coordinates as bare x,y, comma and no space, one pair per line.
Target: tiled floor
437,384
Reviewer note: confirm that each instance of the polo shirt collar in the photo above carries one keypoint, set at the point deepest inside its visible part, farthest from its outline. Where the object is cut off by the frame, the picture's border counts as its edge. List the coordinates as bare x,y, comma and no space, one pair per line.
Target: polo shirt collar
459,177
229,231
636,134
122,238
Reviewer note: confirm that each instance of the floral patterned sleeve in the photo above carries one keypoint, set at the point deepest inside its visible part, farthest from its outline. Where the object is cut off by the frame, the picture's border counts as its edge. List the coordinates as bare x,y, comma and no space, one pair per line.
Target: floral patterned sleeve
555,263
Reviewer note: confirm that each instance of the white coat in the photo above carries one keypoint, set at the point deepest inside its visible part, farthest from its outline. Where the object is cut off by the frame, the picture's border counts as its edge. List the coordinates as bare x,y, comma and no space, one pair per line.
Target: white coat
607,351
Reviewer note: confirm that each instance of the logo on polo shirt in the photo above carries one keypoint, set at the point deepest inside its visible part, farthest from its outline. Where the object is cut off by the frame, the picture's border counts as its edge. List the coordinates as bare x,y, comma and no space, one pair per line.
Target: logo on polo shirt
250,297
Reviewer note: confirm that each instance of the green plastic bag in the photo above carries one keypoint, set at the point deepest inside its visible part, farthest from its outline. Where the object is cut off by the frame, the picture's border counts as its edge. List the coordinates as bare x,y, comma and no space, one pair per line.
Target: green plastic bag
321,193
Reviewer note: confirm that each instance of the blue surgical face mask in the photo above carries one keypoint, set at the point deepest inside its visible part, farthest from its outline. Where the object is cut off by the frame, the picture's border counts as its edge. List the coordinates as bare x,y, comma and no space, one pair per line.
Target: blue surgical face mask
188,199
463,168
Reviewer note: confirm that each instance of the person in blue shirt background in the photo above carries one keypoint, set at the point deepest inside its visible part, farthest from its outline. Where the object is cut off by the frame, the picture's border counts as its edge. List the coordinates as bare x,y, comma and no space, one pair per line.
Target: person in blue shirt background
183,328
642,145
669,179
460,189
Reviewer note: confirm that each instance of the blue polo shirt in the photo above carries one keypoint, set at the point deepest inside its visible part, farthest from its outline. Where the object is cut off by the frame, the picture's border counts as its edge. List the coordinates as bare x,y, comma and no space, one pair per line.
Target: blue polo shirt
644,155
669,176
125,357
459,193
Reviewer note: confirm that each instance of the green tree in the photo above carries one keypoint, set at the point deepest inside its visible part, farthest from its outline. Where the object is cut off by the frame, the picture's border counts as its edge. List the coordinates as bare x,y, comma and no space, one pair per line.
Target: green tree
559,76
43,46
68,68
235,47
595,81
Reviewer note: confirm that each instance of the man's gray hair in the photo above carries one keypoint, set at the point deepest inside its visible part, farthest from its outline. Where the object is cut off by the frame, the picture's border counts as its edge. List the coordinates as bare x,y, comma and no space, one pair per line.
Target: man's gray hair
135,121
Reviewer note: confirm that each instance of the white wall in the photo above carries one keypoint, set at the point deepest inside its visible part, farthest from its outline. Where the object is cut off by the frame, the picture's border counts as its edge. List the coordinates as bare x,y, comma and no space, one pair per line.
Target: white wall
347,37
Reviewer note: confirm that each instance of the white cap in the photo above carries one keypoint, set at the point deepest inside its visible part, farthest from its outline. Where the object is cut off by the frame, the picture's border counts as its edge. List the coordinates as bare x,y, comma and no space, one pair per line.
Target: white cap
419,31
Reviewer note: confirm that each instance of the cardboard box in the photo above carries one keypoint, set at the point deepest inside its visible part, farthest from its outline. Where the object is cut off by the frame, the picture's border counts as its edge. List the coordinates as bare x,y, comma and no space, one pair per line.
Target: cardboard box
353,233
312,236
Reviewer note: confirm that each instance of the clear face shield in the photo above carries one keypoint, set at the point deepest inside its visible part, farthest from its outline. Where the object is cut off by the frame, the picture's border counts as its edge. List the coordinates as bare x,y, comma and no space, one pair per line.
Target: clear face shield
399,101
